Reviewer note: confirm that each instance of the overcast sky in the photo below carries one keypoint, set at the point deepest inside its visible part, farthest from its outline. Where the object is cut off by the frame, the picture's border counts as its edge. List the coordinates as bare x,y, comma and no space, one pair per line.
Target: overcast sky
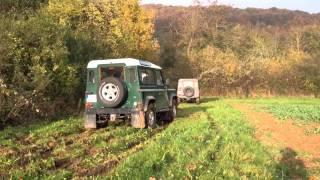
312,6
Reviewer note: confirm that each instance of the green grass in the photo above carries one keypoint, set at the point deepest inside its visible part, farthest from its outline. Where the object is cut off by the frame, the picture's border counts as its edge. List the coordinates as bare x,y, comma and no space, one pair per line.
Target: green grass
64,149
206,141
306,113
213,142
302,109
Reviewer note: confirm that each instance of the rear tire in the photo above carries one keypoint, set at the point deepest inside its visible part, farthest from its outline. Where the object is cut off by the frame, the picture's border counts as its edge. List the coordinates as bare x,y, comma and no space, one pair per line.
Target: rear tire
179,100
198,100
150,116
101,124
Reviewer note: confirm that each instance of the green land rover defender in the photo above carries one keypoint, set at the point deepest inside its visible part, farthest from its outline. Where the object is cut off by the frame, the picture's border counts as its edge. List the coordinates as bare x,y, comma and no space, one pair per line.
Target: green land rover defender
127,89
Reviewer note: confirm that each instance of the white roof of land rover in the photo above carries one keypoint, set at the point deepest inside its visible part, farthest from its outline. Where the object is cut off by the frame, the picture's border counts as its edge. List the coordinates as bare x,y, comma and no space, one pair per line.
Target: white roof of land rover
126,61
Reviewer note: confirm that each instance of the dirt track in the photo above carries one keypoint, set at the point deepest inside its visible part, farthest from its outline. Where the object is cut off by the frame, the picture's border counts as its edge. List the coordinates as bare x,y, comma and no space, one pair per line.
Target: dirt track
284,134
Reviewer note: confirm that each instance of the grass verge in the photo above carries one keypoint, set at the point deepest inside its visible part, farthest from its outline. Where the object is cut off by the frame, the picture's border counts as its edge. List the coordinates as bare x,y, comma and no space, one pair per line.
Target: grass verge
215,141
211,140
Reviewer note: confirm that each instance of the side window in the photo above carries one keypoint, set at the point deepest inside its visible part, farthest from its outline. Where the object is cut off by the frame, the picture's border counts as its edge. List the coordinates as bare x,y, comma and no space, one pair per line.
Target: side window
159,78
91,77
147,76
131,75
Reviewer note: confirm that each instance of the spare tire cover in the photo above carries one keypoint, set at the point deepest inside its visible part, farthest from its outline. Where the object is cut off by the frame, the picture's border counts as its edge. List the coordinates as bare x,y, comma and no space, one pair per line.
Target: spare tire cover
188,91
112,92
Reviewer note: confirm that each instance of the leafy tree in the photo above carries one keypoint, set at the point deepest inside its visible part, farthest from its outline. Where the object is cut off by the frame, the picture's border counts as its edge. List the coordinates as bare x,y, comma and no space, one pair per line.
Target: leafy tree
20,8
47,44
36,71
236,51
311,40
309,74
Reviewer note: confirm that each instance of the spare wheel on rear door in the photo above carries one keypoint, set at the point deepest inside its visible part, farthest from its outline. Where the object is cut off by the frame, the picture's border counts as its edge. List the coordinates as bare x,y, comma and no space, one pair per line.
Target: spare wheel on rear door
112,92
188,91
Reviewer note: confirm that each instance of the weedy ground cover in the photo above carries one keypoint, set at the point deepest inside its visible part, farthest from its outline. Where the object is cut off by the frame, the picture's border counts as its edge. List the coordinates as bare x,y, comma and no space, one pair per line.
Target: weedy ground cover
63,149
301,109
208,140
214,141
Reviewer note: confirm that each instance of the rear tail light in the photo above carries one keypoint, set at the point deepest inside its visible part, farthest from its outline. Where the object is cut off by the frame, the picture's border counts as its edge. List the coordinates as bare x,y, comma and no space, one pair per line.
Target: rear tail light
89,105
180,91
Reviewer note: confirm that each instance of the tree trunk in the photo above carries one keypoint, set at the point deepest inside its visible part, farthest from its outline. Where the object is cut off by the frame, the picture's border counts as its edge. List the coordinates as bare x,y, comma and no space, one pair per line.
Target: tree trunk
247,91
189,47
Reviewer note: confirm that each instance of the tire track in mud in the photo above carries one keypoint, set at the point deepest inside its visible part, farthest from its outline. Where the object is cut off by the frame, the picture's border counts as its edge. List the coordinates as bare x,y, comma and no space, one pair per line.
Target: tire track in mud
110,163
284,134
31,151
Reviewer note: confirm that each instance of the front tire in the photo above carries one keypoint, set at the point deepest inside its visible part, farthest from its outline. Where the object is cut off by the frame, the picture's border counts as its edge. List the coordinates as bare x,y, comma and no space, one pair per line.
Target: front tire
150,116
173,110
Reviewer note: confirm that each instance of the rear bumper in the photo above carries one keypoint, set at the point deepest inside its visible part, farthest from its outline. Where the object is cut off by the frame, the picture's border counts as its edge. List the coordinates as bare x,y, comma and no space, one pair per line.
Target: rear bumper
94,116
187,98
100,116
123,111
90,121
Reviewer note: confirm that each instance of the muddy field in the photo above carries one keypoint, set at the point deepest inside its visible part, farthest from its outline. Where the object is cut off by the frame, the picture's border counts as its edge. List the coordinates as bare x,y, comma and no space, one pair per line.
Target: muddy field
254,138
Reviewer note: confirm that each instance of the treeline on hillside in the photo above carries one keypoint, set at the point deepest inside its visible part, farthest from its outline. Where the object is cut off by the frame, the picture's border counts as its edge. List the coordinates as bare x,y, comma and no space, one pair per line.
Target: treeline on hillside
241,52
46,44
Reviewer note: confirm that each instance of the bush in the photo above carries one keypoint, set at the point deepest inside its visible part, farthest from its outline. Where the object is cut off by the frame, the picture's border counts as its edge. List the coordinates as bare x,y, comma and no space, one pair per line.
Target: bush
44,51
36,77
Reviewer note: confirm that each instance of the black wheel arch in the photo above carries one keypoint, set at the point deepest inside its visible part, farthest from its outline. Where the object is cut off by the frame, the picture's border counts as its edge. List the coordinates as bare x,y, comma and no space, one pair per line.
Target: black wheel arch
147,101
173,97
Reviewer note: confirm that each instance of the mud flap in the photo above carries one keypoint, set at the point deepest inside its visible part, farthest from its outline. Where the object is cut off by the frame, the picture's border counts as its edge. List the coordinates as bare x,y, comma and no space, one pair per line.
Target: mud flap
138,120
90,121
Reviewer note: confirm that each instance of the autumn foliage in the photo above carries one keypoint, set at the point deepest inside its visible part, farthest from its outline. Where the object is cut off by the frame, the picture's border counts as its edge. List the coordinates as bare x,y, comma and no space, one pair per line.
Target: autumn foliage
46,44
237,52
